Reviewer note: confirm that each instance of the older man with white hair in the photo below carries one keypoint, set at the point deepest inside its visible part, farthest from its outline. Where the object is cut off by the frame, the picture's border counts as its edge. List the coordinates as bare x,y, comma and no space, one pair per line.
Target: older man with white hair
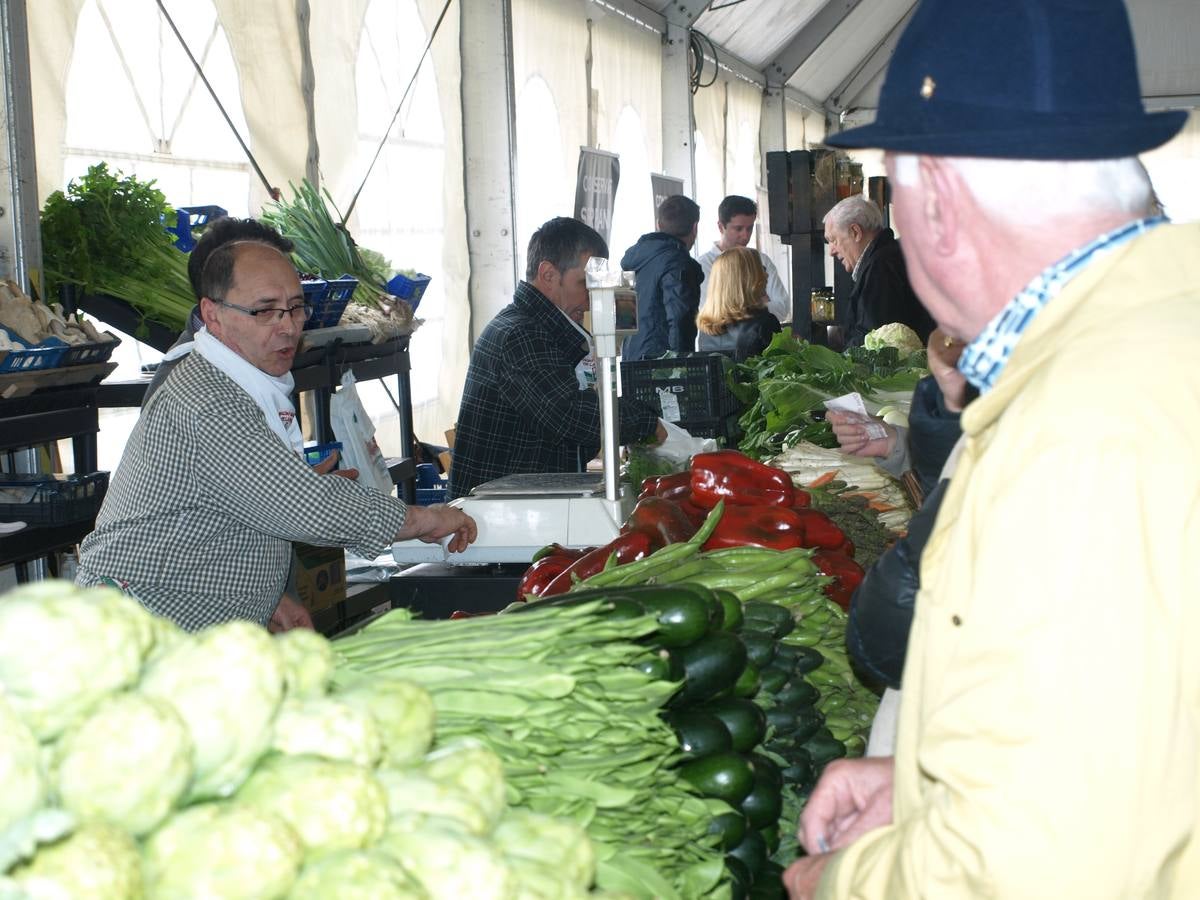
1049,735
871,254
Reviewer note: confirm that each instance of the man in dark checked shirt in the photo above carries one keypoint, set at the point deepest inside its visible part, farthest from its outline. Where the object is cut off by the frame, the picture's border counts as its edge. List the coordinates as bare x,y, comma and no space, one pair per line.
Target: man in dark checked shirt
523,409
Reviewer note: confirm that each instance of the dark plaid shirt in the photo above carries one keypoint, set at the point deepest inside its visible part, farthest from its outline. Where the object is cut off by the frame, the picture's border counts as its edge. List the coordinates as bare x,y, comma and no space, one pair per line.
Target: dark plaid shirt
522,408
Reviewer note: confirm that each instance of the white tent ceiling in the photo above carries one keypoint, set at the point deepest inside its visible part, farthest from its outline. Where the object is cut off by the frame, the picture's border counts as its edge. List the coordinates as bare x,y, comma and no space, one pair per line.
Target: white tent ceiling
835,51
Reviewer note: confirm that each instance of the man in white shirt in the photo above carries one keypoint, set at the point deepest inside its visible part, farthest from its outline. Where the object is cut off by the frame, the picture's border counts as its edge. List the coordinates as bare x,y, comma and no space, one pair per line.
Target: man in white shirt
735,221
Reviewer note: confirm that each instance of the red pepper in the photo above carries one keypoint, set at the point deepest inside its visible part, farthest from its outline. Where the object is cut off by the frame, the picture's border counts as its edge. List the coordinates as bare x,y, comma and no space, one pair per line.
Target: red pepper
672,487
463,614
541,573
739,481
820,530
662,518
560,550
696,515
648,486
846,574
757,526
801,499
627,547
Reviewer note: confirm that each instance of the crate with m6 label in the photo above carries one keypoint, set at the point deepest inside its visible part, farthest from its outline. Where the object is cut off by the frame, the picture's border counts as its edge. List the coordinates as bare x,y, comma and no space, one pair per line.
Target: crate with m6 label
691,391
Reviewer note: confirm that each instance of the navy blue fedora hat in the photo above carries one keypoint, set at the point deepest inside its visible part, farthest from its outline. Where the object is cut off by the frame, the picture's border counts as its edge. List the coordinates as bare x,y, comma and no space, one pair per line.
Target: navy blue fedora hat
1015,79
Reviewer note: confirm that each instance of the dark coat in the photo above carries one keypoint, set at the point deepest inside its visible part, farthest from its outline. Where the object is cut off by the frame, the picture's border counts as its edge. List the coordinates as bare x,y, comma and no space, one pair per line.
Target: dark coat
668,289
744,338
881,612
882,293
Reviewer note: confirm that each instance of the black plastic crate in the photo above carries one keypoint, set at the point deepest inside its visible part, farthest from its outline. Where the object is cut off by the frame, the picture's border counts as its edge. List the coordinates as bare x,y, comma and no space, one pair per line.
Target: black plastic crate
682,389
43,500
725,429
89,354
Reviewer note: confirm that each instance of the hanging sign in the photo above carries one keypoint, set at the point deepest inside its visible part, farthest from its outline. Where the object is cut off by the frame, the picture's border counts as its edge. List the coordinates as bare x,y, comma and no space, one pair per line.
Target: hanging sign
664,186
596,189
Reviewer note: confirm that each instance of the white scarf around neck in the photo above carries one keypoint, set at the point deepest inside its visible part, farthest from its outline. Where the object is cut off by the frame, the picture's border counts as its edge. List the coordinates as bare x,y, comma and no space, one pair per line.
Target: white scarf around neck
273,394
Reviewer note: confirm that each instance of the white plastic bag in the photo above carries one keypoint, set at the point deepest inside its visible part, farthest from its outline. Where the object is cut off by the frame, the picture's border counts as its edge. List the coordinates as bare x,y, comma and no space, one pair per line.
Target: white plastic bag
354,428
680,446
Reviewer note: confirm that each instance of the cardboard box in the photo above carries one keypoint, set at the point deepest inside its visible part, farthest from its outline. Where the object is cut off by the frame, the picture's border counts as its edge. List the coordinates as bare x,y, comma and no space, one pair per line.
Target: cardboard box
320,576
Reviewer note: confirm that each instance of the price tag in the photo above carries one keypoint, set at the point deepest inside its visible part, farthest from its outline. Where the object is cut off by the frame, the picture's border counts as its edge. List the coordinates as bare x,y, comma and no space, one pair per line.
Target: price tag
670,405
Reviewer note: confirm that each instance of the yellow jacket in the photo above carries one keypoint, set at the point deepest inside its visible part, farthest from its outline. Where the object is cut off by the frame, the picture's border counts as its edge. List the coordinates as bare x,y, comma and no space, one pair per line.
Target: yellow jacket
1049,741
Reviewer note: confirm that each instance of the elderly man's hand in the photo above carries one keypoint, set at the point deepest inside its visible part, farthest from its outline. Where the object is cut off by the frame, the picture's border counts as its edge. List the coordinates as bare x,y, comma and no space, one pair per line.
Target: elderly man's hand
432,523
943,352
802,877
325,467
852,797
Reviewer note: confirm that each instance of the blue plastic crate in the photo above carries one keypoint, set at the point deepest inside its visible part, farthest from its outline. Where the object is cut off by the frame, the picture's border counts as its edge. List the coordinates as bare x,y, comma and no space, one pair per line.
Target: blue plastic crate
411,290
46,355
432,495
328,309
189,217
317,453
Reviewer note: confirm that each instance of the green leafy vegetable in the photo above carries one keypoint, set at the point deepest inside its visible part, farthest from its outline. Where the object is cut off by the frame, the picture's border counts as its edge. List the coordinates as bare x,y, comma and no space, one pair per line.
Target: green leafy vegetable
105,234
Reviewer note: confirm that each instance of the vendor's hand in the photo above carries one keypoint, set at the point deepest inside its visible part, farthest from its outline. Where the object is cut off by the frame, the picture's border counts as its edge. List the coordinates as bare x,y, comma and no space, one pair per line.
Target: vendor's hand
660,433
943,352
853,797
432,523
289,614
851,431
325,467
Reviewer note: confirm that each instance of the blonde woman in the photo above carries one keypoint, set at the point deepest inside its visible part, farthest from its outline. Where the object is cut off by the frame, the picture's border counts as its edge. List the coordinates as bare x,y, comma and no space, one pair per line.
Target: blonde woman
734,319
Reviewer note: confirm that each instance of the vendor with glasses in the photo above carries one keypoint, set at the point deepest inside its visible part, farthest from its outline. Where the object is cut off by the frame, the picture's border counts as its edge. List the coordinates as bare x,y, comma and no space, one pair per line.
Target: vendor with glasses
213,488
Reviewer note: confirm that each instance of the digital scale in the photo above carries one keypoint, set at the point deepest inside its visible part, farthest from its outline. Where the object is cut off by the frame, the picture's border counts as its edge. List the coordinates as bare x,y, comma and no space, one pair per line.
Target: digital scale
519,514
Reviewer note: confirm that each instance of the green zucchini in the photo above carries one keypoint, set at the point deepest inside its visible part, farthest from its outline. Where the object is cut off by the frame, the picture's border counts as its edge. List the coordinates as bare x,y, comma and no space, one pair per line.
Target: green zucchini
763,805
710,665
780,617
745,720
749,682
731,827
775,627
700,733
725,776
769,884
797,693
770,835
774,678
799,774
732,608
823,747
657,667
684,616
807,721
740,878
765,769
806,659
782,722
752,851
760,647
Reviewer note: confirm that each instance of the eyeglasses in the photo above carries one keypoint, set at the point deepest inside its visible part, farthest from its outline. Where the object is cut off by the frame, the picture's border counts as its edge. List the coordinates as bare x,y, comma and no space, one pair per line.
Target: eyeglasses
269,315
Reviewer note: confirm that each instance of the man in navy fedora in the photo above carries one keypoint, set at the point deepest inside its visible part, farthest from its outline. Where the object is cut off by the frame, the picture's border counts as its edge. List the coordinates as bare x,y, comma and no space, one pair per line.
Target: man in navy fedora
1049,731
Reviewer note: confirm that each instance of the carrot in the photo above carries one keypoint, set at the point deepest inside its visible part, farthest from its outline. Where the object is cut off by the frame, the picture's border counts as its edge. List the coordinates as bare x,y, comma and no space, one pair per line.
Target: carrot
823,479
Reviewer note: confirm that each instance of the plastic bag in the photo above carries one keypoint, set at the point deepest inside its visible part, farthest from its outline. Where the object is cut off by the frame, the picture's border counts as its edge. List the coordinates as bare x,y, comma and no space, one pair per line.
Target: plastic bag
680,446
354,428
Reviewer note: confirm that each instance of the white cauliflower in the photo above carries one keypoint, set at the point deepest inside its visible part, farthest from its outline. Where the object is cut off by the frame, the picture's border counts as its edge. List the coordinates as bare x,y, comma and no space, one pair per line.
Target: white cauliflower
307,662
128,763
322,726
330,805
355,875
92,641
98,861
403,711
473,770
451,864
413,796
226,683
557,845
24,786
221,850
894,334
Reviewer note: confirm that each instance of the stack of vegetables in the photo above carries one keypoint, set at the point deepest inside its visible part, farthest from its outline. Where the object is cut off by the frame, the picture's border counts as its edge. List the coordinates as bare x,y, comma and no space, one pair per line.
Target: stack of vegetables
140,761
105,235
785,388
568,697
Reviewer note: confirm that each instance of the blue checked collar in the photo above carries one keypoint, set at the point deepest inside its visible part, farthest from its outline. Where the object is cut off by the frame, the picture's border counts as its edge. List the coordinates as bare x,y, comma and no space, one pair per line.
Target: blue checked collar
985,357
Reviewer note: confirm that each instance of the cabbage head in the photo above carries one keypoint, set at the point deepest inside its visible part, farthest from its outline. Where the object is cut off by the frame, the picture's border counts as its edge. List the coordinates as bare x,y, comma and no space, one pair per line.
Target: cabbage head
894,334
98,861
355,875
62,650
226,682
404,713
307,662
412,796
536,881
322,726
449,863
557,845
22,784
331,805
127,763
221,850
474,770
